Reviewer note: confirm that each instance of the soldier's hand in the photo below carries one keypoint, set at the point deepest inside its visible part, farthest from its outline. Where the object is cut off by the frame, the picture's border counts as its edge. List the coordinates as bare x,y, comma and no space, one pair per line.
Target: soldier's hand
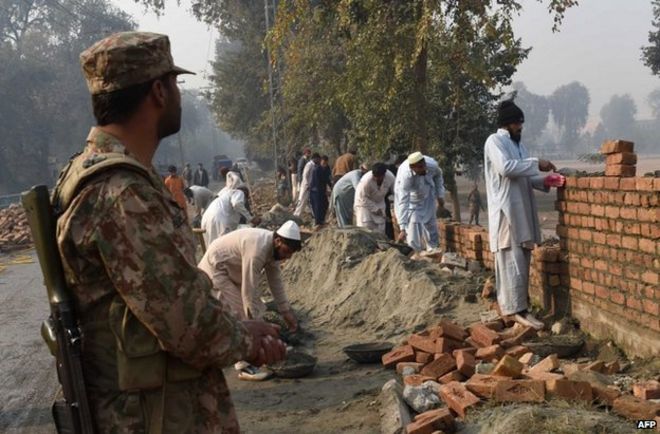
546,166
267,347
402,236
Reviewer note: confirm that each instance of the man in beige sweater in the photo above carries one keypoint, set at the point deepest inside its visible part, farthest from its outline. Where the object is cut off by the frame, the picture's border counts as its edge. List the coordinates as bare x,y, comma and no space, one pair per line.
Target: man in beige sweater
234,263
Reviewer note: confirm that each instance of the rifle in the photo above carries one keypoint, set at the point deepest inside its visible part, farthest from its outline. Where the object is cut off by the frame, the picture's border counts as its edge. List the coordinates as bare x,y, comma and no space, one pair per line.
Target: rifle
60,330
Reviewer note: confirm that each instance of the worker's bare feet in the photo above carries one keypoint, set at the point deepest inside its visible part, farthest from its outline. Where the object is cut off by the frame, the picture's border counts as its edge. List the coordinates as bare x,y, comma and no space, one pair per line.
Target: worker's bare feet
529,320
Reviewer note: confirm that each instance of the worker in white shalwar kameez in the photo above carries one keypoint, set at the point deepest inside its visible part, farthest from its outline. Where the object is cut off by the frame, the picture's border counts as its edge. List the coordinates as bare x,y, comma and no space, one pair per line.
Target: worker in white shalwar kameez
370,195
305,185
224,213
418,191
343,196
513,221
235,263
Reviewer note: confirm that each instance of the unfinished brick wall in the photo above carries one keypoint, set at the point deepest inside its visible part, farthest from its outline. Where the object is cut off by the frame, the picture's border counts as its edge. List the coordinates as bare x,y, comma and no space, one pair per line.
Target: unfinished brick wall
548,270
609,229
606,270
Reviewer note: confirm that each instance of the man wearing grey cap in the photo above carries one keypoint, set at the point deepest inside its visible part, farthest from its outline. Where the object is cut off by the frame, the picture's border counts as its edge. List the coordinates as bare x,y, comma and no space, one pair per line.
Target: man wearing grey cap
155,339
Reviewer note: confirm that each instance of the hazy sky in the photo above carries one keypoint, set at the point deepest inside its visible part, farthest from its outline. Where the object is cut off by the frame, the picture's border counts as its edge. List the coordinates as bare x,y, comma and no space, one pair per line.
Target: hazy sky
599,45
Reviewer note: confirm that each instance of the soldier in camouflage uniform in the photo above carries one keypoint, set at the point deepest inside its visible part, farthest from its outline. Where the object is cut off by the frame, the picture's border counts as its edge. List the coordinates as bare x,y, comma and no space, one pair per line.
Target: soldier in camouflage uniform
154,337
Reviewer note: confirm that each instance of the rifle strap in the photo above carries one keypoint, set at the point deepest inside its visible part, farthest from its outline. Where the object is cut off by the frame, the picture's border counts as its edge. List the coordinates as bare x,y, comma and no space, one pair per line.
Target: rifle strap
80,171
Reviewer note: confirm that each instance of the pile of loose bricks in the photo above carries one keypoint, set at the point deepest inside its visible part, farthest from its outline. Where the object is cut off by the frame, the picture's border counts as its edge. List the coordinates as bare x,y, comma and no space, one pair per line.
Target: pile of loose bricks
14,229
609,229
448,355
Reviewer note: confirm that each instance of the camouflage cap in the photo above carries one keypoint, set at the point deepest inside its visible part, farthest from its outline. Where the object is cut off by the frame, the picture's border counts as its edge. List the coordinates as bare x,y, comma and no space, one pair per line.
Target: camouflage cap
125,59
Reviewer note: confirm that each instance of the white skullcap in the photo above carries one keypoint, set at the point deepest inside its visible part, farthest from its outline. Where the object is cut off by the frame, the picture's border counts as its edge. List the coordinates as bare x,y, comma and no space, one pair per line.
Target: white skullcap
415,158
289,230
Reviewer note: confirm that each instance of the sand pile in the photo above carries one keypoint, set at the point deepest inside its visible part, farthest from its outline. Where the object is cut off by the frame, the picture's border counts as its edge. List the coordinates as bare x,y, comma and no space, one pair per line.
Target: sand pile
351,282
276,217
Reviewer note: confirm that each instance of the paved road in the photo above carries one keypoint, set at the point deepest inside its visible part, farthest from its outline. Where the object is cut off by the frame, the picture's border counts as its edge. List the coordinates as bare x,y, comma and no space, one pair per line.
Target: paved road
27,373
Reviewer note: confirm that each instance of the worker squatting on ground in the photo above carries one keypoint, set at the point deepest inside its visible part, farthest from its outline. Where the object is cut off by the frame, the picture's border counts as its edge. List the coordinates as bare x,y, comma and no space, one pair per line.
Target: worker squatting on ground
370,196
305,184
418,191
155,339
343,195
235,262
224,213
511,174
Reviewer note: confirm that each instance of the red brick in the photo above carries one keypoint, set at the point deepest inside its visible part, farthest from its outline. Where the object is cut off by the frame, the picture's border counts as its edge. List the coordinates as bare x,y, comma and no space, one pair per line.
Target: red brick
611,183
473,343
416,379
614,146
548,364
526,358
634,303
596,183
605,394
495,325
421,343
465,363
490,352
447,345
454,375
483,335
450,330
470,350
483,385
440,366
621,158
543,376
413,365
611,368
583,182
647,246
647,215
508,367
651,277
635,409
647,390
571,181
524,334
431,421
457,397
520,391
397,355
517,351
628,184
644,184
612,211
423,357
569,389
617,297
651,307
628,213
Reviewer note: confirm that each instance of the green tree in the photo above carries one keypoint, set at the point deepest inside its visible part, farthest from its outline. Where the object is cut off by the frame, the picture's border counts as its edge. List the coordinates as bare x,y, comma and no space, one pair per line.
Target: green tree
49,114
537,112
651,53
618,116
654,101
569,105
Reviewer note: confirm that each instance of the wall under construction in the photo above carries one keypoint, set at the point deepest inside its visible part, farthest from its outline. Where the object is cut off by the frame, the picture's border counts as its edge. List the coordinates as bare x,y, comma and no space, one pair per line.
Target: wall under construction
605,271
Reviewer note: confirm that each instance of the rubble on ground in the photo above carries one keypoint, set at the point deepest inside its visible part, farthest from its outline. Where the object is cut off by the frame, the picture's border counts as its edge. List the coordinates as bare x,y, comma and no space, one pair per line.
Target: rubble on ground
493,361
14,229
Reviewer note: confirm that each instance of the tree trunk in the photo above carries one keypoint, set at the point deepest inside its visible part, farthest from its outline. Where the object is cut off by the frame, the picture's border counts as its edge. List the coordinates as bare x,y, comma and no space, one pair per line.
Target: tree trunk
420,128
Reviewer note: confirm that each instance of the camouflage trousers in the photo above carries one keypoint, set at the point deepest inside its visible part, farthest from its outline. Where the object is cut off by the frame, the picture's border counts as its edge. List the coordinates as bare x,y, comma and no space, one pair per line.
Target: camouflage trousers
202,405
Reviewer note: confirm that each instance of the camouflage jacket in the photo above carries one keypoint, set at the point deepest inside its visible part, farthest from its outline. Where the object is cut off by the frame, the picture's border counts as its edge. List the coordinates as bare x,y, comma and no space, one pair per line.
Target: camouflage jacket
124,239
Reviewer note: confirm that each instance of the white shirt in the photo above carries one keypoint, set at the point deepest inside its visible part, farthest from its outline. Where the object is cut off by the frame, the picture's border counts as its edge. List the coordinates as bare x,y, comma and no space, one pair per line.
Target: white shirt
224,212
416,197
510,176
370,197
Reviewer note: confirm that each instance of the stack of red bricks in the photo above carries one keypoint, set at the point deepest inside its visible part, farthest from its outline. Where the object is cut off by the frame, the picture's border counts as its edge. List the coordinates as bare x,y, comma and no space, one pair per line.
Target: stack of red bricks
548,272
620,160
14,229
609,230
448,354
470,242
